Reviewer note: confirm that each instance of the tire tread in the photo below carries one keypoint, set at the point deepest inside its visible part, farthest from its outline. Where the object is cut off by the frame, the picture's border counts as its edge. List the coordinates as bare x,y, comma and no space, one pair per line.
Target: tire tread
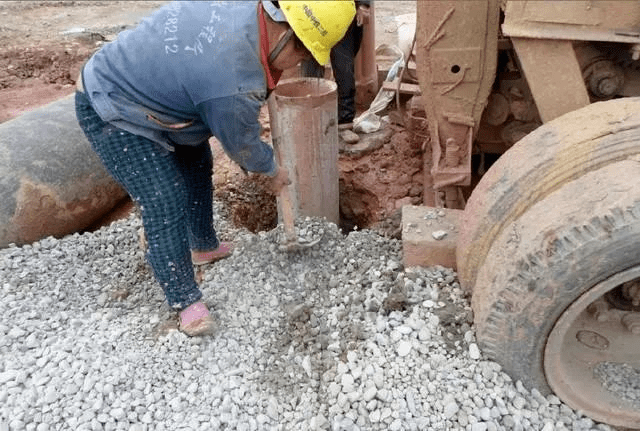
528,271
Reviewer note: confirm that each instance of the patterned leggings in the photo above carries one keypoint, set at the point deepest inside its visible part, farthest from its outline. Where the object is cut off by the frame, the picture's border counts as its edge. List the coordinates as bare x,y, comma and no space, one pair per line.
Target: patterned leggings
174,192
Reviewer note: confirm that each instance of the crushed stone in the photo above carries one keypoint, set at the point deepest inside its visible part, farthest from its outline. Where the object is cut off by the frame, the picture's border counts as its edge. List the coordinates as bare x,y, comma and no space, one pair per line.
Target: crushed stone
339,337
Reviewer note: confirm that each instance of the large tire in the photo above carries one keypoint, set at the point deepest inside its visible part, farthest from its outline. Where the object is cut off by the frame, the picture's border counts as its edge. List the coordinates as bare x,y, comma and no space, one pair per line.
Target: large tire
542,162
581,238
565,237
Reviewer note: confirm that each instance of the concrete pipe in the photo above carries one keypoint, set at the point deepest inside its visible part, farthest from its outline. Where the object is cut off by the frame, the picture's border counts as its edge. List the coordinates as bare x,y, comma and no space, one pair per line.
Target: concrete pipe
51,181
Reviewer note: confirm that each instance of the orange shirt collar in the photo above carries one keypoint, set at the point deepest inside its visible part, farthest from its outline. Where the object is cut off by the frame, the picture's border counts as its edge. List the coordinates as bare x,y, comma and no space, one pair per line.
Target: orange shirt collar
273,75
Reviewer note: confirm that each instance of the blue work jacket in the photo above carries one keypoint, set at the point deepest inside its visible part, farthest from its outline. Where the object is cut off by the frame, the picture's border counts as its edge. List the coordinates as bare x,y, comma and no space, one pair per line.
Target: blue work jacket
189,71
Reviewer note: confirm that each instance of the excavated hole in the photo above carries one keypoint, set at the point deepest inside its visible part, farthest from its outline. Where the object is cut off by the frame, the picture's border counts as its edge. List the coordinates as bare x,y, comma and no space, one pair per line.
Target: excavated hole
248,205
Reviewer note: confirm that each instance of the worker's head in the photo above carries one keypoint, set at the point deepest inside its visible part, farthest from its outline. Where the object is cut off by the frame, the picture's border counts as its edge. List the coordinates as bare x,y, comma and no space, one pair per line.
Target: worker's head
319,25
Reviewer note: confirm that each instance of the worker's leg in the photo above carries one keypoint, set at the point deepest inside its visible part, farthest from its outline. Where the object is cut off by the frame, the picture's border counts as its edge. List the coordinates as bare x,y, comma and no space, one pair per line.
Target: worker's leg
196,167
151,176
343,65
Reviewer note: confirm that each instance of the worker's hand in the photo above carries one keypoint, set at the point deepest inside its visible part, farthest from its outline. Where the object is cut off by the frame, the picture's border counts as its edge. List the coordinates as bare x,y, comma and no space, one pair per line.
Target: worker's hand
362,15
279,181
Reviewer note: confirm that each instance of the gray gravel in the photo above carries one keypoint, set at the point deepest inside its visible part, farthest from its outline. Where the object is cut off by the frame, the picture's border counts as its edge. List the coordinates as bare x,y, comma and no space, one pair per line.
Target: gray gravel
339,337
620,379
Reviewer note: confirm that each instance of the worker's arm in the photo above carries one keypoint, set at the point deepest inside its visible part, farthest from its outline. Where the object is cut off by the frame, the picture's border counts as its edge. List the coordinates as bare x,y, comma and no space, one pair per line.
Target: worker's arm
280,180
234,122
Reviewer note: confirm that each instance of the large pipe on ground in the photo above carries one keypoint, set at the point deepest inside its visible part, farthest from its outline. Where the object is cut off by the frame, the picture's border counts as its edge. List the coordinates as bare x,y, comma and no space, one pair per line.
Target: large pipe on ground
51,181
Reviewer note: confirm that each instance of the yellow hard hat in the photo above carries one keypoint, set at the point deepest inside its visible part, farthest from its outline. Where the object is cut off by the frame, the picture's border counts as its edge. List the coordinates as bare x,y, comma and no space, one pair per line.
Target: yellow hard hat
319,24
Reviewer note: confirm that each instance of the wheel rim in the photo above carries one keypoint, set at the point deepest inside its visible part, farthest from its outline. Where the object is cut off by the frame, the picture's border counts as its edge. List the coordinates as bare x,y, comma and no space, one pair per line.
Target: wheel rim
588,348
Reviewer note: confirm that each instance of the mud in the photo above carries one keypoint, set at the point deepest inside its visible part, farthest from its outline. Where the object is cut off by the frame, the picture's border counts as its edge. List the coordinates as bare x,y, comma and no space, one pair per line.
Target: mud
43,44
39,208
374,186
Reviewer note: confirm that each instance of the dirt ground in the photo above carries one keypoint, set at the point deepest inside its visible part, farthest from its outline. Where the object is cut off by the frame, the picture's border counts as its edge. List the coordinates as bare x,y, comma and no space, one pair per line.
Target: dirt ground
44,43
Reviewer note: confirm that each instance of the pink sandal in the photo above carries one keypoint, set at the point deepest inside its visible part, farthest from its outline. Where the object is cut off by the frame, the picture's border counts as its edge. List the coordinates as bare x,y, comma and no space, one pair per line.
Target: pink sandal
203,257
196,320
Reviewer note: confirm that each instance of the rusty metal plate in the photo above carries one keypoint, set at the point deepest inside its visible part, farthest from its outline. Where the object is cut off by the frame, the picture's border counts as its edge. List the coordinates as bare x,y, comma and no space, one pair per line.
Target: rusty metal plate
574,12
456,65
605,21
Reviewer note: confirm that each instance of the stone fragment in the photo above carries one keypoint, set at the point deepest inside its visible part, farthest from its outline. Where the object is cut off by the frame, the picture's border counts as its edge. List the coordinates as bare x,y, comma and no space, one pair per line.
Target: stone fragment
8,376
519,403
374,416
424,334
396,425
404,348
439,234
450,409
479,426
485,414
333,390
378,379
474,351
117,413
16,333
347,383
349,137
369,393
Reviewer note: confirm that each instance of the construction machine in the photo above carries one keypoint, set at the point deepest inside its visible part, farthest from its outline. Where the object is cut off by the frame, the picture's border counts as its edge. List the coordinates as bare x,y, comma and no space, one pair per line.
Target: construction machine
534,132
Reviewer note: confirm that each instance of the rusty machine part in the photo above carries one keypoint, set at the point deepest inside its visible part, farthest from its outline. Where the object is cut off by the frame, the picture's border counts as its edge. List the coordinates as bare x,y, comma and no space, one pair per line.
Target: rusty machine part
465,112
554,43
456,60
488,86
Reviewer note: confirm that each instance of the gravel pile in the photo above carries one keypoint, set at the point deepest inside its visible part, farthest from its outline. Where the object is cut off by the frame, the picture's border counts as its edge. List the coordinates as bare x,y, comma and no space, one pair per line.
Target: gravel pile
340,337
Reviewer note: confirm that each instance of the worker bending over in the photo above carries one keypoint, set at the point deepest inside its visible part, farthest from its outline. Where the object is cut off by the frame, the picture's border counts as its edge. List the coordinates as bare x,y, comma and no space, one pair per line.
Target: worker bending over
150,100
